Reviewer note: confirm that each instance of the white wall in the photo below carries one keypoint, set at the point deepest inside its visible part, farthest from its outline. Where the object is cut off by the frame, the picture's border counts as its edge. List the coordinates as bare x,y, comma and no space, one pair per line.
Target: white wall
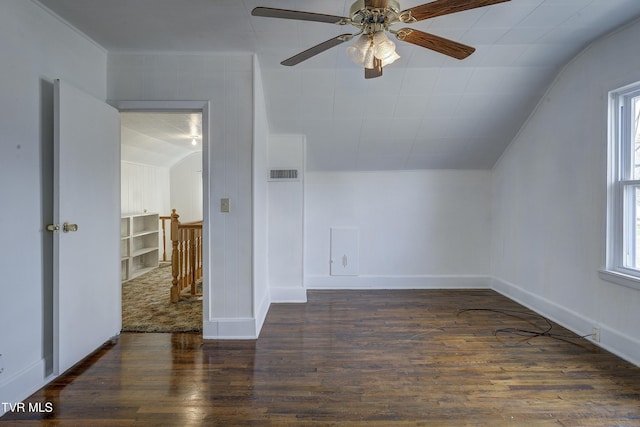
261,294
550,201
226,82
417,228
144,188
286,215
35,49
186,188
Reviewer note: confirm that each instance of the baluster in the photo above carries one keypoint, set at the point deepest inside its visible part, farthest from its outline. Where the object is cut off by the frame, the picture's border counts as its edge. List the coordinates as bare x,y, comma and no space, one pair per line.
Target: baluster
175,268
163,221
182,259
192,260
199,254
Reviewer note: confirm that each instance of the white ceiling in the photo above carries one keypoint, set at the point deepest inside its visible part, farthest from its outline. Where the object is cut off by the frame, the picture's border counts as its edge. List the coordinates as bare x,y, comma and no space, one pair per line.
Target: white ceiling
161,139
426,111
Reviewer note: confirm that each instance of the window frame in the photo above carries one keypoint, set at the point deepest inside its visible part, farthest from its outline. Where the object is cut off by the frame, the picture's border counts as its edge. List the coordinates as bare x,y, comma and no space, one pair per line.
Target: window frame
621,181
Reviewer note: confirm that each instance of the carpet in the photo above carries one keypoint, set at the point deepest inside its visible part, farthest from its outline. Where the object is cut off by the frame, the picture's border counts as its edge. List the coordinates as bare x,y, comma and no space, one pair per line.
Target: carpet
146,306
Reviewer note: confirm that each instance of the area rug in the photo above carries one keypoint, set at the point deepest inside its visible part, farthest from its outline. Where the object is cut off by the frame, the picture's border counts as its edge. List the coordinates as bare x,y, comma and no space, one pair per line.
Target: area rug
146,306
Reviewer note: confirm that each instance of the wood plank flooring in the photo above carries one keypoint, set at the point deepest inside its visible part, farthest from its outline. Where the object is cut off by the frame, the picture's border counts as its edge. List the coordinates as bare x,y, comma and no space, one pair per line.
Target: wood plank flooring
369,358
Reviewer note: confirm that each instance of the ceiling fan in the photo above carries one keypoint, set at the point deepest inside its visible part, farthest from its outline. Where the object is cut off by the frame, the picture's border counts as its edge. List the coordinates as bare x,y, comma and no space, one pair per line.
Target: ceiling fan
373,18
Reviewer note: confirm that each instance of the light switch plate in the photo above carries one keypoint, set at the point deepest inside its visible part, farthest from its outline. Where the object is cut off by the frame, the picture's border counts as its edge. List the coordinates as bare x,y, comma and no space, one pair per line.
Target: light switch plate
225,205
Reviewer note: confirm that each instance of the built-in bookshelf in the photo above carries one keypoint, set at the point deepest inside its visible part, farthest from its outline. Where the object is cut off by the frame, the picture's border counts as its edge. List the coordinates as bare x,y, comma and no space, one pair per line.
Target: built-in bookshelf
138,244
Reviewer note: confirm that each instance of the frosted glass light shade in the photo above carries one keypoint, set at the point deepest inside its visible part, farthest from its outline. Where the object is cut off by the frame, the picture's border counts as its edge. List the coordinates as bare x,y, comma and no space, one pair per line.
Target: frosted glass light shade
370,46
359,50
384,49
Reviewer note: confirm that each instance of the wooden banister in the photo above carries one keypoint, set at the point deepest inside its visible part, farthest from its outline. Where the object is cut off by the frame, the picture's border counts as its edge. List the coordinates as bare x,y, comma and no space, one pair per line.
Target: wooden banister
163,220
186,256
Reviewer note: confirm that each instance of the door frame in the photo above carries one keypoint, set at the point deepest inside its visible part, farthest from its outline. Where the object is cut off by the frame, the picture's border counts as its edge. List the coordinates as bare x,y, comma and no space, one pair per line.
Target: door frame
183,106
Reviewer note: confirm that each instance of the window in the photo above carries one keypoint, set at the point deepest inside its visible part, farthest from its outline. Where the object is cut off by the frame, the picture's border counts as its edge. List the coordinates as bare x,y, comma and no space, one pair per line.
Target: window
623,234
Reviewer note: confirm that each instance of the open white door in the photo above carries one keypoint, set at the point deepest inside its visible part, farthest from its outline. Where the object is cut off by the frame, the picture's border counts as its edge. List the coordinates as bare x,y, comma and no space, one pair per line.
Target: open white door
87,297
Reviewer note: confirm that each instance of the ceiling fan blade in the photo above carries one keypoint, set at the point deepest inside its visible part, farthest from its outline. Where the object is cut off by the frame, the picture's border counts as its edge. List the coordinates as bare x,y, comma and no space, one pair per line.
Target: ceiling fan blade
376,71
433,42
270,12
445,7
319,48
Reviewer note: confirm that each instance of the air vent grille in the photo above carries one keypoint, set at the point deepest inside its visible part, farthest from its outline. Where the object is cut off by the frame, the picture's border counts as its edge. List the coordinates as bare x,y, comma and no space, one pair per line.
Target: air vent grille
283,174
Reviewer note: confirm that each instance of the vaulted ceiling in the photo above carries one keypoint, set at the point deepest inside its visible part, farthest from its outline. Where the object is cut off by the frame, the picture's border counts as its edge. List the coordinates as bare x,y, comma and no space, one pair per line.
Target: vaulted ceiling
426,111
160,138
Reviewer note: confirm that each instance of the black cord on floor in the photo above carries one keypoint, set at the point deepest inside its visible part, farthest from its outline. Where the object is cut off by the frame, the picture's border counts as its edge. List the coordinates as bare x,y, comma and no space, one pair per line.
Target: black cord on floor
524,332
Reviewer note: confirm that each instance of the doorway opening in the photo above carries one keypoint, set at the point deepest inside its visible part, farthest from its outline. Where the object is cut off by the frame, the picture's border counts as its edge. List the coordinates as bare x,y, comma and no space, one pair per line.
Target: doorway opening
163,250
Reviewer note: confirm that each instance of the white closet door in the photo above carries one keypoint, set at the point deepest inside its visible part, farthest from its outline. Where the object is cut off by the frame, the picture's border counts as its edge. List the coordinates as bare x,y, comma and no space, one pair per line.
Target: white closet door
345,253
87,310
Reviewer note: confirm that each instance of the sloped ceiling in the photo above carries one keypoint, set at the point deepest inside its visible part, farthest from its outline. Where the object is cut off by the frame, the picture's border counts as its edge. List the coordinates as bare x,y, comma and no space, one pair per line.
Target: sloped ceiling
426,111
159,138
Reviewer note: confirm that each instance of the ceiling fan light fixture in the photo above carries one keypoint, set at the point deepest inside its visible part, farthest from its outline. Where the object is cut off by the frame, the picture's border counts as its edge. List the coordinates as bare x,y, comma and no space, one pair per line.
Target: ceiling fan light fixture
370,46
373,18
384,49
358,51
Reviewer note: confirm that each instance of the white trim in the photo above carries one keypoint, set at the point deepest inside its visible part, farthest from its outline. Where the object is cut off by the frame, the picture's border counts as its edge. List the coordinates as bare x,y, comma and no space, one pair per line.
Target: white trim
399,282
620,247
621,345
261,313
204,108
619,278
577,323
230,329
151,106
24,383
279,295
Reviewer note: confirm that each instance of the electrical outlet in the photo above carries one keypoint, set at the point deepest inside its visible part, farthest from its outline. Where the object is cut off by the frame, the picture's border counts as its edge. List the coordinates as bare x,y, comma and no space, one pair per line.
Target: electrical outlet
595,334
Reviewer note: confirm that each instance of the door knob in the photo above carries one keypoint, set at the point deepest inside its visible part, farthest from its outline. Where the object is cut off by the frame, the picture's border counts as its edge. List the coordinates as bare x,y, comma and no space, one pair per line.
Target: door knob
66,227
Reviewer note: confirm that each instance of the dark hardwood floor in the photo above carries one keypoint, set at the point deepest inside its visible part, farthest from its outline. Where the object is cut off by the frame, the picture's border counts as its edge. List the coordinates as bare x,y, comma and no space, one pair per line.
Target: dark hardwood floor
374,358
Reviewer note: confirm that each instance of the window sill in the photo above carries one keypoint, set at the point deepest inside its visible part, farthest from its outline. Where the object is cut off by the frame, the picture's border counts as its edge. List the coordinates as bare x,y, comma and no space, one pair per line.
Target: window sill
619,278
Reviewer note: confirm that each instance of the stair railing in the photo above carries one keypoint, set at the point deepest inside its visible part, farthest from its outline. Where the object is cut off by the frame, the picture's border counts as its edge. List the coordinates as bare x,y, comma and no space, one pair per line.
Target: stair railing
186,257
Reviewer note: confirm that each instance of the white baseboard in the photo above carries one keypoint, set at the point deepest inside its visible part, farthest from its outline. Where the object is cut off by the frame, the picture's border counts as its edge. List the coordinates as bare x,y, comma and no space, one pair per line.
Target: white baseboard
561,315
23,384
261,314
620,344
398,282
611,340
288,295
230,329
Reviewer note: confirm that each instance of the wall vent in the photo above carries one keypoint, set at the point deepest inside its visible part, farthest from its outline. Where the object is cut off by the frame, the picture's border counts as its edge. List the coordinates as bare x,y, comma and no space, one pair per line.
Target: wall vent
279,174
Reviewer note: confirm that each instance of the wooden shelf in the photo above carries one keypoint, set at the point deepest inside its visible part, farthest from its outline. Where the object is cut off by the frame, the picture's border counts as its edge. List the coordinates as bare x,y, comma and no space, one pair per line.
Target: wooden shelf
143,251
139,248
